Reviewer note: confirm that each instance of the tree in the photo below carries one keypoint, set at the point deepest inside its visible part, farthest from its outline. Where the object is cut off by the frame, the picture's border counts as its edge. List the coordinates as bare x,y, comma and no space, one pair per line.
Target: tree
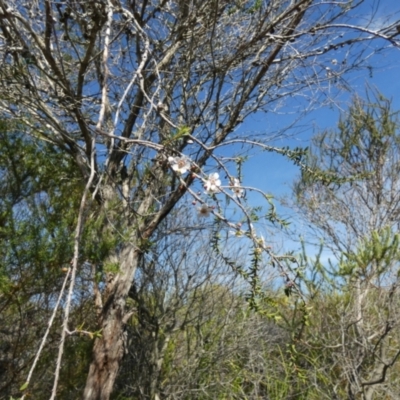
353,207
38,213
142,96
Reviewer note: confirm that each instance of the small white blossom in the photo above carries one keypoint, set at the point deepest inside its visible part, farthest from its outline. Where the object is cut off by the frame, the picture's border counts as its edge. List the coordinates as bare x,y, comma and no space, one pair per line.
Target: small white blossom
179,164
236,189
204,211
162,107
213,183
329,72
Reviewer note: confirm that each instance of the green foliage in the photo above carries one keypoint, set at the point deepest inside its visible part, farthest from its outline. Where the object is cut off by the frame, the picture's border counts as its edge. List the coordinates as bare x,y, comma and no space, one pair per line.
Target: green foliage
373,255
98,241
37,207
356,211
41,191
272,214
356,152
111,268
279,342
180,133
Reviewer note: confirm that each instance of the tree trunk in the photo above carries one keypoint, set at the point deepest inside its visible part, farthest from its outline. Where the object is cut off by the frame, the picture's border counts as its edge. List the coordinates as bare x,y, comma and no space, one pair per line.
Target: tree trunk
108,349
107,354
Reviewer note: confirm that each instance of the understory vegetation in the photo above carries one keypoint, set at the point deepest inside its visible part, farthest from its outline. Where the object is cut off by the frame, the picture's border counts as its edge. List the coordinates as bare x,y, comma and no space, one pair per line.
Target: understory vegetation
329,329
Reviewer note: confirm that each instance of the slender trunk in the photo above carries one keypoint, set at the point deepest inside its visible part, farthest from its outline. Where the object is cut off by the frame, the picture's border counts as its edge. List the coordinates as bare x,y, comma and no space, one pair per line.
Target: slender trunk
107,354
108,349
158,353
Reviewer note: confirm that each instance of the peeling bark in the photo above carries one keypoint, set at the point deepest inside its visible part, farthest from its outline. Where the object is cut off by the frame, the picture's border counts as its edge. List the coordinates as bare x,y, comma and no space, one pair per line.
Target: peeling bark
108,349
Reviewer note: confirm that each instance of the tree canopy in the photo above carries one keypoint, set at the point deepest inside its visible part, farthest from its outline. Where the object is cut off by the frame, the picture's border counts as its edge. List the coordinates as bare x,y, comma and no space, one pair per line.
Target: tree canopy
122,112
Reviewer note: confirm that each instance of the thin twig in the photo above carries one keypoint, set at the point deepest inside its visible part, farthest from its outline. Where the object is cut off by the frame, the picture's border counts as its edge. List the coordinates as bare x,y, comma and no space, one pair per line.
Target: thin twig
104,96
77,239
50,323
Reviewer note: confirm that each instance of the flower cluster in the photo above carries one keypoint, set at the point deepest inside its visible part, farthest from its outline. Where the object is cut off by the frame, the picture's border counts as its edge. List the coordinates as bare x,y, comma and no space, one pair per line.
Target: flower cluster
212,184
179,164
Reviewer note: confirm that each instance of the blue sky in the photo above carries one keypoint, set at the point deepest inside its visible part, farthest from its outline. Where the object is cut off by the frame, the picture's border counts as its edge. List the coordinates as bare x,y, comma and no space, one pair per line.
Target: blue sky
278,172
273,173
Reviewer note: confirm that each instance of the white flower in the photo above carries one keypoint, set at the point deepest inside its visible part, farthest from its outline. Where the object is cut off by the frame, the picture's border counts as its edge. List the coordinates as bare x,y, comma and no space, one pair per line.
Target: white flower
162,107
204,211
179,164
236,189
213,183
